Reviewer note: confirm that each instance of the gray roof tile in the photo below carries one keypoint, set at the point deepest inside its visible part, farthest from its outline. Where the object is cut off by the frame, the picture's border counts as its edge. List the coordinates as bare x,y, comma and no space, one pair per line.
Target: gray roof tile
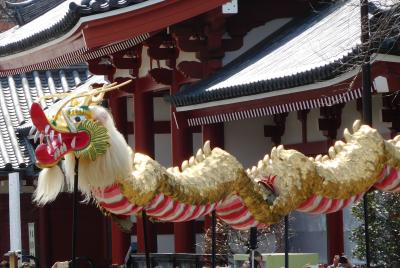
16,96
319,48
48,24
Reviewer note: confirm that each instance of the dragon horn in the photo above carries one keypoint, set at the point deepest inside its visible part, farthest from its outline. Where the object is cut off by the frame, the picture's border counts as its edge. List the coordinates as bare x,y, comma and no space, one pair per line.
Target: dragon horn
70,124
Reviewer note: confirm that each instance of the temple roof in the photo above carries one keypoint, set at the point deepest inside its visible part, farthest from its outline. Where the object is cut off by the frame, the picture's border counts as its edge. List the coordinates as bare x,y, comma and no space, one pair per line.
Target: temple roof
16,96
55,33
319,48
52,19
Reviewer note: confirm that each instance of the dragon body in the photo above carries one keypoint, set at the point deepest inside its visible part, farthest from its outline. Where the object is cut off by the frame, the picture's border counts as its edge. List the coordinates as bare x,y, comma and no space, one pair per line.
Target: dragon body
123,182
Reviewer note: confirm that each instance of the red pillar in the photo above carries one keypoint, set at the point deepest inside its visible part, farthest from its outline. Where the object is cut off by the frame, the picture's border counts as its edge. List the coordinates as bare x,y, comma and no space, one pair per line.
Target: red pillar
334,229
119,241
144,143
215,134
182,149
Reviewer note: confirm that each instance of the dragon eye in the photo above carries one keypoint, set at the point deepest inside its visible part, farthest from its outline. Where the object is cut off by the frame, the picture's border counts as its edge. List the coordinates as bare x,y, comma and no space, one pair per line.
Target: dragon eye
78,118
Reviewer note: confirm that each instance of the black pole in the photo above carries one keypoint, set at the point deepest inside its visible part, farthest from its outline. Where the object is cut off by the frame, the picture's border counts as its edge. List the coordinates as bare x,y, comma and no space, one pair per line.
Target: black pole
213,239
366,102
146,245
253,244
286,241
74,213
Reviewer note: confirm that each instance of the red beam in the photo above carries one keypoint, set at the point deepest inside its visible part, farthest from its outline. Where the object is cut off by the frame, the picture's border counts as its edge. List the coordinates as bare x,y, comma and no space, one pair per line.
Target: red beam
145,20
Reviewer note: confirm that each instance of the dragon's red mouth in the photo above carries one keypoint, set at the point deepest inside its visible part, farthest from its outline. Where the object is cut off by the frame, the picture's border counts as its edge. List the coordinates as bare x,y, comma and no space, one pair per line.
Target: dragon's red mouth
54,144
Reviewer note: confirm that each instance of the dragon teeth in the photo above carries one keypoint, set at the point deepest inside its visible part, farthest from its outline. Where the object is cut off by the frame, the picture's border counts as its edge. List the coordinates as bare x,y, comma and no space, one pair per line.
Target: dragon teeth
41,138
52,136
59,137
35,138
63,148
32,130
73,143
46,129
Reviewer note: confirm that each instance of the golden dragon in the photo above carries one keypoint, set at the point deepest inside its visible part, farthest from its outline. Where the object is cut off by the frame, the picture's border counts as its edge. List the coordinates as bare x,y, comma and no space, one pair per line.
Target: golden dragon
123,182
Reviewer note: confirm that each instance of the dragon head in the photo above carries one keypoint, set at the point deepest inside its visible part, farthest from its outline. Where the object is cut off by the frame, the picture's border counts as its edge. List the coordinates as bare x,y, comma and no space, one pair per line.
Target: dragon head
77,131
77,127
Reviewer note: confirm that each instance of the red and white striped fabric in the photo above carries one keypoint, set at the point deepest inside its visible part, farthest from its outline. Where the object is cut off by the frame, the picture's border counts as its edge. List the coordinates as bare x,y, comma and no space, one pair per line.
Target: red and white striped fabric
322,205
165,208
233,211
389,180
112,200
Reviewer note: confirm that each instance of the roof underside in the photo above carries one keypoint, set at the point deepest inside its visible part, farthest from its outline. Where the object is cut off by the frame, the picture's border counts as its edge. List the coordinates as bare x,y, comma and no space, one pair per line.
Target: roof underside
16,96
319,48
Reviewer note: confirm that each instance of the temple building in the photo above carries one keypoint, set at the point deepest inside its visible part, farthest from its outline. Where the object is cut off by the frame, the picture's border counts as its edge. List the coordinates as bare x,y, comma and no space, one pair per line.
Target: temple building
246,75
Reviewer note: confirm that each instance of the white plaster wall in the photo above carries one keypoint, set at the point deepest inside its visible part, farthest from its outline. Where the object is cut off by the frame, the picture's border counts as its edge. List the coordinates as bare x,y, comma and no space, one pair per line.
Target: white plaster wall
163,149
292,133
245,140
162,110
313,132
165,243
255,36
350,114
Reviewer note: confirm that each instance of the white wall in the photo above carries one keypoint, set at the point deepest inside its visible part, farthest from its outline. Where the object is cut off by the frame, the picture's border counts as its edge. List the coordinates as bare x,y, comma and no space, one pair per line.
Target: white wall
245,140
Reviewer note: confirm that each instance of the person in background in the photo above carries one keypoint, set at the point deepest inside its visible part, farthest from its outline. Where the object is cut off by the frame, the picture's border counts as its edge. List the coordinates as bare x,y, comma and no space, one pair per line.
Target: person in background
4,264
335,262
345,262
341,261
258,261
26,265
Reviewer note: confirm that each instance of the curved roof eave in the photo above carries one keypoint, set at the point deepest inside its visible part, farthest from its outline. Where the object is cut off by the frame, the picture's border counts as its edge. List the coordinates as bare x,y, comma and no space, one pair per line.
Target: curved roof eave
69,35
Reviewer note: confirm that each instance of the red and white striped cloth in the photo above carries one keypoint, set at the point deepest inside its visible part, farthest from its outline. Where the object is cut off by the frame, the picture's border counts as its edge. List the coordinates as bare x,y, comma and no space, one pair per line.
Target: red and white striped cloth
112,200
165,208
389,180
322,205
231,210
